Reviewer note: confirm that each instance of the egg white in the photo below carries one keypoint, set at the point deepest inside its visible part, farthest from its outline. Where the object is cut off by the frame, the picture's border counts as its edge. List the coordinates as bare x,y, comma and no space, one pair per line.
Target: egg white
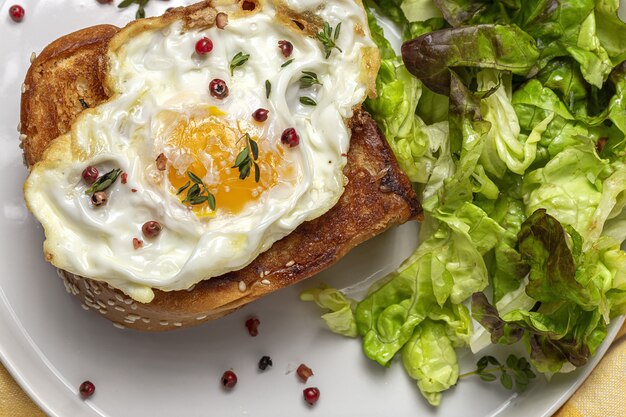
156,72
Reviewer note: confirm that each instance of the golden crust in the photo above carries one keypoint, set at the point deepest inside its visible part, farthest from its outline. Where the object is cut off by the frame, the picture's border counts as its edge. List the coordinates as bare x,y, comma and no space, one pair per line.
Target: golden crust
69,70
378,195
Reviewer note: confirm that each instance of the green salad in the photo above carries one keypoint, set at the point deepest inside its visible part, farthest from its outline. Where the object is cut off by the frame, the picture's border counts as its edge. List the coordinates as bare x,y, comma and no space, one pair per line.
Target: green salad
509,116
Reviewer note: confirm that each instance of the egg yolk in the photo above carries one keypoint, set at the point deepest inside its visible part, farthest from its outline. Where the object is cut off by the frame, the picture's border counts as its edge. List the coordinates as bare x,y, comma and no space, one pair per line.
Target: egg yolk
207,146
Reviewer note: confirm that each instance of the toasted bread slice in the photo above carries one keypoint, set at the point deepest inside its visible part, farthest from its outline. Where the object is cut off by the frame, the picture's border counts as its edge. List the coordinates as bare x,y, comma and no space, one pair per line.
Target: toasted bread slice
378,195
62,81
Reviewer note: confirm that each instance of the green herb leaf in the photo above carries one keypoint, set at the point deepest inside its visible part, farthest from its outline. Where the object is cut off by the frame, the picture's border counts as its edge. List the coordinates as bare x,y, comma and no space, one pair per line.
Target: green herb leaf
308,101
183,188
506,380
244,163
194,177
238,60
309,79
141,12
268,88
243,156
104,181
515,369
287,63
255,149
257,172
328,39
198,193
482,363
488,377
211,201
83,103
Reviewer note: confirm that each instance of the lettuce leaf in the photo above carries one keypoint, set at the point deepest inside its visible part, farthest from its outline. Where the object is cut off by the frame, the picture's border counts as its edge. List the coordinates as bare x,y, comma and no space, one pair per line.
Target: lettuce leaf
575,293
430,57
430,358
579,189
340,319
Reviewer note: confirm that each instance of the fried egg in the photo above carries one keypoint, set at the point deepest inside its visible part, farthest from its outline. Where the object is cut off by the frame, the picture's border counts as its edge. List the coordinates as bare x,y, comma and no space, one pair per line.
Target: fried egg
223,186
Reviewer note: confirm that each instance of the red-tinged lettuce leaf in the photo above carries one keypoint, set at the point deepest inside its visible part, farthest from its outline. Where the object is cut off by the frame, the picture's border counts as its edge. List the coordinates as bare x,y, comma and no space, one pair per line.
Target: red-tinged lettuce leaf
543,243
463,12
571,287
487,315
504,47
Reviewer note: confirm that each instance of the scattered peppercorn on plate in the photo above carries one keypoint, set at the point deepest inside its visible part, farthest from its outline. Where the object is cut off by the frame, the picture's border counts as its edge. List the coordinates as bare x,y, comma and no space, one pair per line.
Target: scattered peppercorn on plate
294,137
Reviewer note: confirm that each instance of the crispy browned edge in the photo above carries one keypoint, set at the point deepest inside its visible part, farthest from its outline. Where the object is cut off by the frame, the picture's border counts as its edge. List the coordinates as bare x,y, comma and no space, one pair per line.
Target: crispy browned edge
378,195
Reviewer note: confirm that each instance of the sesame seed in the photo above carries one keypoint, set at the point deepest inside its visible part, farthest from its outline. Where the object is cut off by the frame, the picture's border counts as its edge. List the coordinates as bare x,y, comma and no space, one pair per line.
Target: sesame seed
19,127
177,324
103,311
201,317
23,88
290,263
164,323
97,291
101,304
129,321
262,274
133,306
23,137
122,309
128,301
111,303
119,298
267,273
190,289
88,298
33,56
266,282
133,317
242,286
84,307
119,326
145,320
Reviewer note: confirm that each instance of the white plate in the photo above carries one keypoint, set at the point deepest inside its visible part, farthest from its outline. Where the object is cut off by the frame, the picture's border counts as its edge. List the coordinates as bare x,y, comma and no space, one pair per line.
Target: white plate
51,345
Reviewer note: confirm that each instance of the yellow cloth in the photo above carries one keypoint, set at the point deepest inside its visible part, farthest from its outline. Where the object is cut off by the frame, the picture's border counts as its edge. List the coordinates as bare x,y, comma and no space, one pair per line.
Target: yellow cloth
13,401
602,395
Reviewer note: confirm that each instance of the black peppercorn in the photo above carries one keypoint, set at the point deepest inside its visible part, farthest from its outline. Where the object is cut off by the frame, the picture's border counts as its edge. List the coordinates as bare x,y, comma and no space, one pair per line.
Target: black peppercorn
265,362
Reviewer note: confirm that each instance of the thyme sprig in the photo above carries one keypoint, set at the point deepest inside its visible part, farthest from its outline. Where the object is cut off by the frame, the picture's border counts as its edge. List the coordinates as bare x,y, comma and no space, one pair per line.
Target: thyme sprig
328,38
198,193
141,11
238,60
309,79
247,158
104,181
515,369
